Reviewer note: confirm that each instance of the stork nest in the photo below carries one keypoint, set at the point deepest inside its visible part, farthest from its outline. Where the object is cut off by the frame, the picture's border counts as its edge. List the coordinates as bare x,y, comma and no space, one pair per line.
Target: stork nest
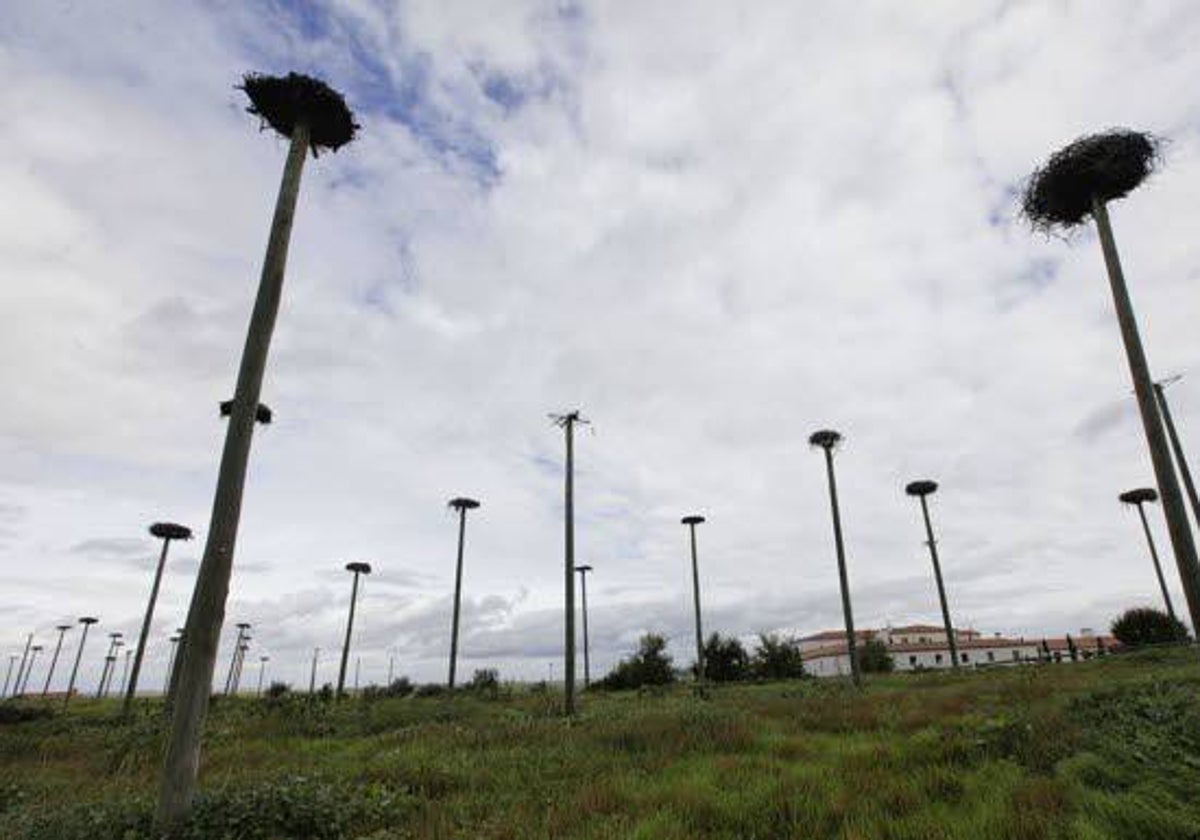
921,488
692,520
1104,166
262,415
1139,496
283,101
825,438
462,503
362,568
170,531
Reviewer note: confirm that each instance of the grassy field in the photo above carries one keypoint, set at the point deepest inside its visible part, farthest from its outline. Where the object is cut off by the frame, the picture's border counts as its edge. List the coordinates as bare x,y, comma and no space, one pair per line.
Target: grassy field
1102,749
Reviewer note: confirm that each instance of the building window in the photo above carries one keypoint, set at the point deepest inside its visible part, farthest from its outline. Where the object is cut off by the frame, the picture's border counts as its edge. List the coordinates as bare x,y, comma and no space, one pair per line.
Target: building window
937,657
991,656
912,660
966,658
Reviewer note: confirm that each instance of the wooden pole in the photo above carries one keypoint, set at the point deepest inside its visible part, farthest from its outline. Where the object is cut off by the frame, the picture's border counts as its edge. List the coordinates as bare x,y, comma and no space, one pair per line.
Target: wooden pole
207,611
1164,472
62,631
1185,471
569,584
843,577
462,529
131,688
937,573
87,622
341,683
1162,581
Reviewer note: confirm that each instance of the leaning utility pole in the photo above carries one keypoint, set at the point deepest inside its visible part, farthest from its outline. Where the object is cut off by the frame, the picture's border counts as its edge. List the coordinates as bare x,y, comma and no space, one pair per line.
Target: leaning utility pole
357,569
567,423
165,531
313,116
1185,471
1078,181
62,630
462,505
828,440
692,522
87,621
922,490
1138,498
242,627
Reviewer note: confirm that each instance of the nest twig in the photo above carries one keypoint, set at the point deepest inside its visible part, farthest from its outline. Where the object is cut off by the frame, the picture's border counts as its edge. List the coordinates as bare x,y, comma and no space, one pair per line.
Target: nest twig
1104,166
283,101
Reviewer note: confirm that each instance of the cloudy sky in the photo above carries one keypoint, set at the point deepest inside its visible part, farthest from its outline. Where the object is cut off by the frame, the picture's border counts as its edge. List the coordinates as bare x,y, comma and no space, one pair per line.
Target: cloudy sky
714,232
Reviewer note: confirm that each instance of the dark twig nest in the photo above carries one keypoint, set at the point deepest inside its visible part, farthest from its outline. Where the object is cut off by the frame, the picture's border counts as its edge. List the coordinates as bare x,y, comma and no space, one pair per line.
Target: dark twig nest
362,568
462,503
88,619
694,519
921,488
283,101
1105,166
825,438
263,415
1139,496
584,568
170,531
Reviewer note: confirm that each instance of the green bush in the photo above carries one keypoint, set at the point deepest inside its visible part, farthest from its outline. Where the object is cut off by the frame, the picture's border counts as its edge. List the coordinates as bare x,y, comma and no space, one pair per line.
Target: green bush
1147,626
725,659
777,658
873,658
649,665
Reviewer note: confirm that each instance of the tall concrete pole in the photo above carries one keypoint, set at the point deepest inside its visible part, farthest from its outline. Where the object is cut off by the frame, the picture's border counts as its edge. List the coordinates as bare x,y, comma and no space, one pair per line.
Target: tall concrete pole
242,627
312,675
462,505
62,629
262,669
1185,471
33,652
587,664
1138,498
312,116
109,659
827,440
357,569
922,490
166,531
692,522
174,640
12,660
87,621
1156,439
568,422
21,667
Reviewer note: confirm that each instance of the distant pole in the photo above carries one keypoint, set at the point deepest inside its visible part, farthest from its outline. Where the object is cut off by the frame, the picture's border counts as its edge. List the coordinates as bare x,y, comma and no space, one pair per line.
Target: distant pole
827,439
242,627
125,671
1185,471
87,621
312,676
109,658
12,660
21,668
174,640
692,522
357,668
922,490
62,629
391,666
165,531
1138,498
567,423
587,664
262,669
462,505
357,569
112,672
33,652
241,660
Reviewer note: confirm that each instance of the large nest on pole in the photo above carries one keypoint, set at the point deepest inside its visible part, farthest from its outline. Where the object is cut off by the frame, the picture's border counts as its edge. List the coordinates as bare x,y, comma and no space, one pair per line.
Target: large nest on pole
462,503
1139,496
360,568
695,519
170,531
825,438
921,488
1105,166
283,101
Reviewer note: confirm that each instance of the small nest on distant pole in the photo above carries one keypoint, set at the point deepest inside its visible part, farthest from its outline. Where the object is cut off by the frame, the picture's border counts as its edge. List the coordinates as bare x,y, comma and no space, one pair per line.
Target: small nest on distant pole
282,101
921,488
1139,496
1105,166
170,531
825,439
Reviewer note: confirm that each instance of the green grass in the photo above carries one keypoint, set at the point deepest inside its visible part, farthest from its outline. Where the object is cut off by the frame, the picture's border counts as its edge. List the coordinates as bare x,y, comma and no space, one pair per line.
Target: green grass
1102,749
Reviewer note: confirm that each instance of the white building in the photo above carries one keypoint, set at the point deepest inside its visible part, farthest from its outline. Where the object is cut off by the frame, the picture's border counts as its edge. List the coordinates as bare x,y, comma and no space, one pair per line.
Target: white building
918,647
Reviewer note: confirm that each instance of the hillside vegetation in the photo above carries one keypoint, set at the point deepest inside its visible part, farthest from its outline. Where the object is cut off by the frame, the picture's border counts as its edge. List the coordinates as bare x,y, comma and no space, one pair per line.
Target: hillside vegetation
1102,749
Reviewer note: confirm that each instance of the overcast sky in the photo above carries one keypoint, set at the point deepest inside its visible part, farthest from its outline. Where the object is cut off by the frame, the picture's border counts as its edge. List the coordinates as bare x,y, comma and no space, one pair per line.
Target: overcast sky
713,227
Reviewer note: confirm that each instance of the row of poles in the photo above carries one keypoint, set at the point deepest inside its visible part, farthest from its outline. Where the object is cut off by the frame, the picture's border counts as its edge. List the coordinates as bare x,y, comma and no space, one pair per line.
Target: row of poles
315,117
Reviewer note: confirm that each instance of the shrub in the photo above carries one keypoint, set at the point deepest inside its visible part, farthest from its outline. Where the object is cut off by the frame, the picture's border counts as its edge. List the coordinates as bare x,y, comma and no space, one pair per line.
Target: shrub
430,690
649,665
399,687
21,713
277,689
777,658
1147,626
486,682
873,658
725,660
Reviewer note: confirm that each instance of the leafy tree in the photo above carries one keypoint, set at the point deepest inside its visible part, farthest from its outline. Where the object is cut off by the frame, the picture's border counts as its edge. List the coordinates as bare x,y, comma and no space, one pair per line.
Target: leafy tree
873,657
649,665
1147,626
485,681
777,658
725,659
277,689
